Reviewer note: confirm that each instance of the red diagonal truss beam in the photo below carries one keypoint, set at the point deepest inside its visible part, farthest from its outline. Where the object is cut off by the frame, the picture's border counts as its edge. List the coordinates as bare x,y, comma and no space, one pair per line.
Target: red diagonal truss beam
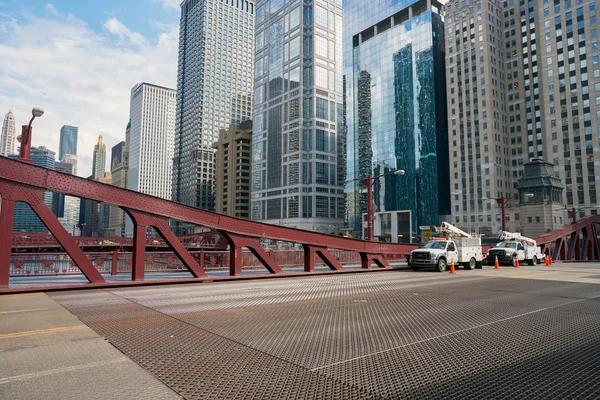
577,241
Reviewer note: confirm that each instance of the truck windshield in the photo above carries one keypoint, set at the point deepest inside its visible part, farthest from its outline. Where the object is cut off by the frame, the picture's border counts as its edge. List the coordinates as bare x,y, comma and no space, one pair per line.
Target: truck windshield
507,245
435,245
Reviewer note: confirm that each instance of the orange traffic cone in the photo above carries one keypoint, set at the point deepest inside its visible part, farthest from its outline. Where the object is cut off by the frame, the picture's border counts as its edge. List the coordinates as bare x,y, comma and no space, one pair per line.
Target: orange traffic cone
517,264
496,265
452,270
547,261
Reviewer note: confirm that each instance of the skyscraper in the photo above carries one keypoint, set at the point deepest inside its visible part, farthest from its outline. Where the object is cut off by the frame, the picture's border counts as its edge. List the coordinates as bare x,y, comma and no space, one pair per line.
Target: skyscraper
152,113
99,160
25,219
89,209
396,113
72,204
522,85
8,138
214,89
297,126
68,141
58,201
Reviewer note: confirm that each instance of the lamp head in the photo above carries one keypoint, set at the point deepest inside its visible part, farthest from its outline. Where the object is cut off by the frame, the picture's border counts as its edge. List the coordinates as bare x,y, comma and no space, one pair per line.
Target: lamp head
37,112
399,172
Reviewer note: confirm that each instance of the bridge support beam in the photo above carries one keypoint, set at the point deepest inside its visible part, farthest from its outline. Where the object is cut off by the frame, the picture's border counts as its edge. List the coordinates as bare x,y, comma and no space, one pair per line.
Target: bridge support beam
309,258
7,215
33,197
237,243
368,260
161,225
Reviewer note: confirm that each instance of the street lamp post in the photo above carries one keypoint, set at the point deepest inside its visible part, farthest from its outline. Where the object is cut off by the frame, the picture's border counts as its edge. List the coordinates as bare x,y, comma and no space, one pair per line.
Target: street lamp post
502,201
368,182
25,138
573,211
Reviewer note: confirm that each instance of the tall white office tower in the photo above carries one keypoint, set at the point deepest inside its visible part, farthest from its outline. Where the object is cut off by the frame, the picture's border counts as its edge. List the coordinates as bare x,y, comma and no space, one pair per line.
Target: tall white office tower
152,113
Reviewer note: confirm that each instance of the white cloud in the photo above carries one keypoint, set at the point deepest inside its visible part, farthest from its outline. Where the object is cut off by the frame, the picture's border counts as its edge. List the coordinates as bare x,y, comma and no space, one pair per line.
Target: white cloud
116,27
171,5
79,77
51,9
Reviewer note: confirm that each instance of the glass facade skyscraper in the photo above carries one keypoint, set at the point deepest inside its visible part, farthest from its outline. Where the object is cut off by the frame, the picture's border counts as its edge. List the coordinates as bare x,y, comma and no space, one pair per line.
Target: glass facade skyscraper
297,138
396,109
68,141
214,89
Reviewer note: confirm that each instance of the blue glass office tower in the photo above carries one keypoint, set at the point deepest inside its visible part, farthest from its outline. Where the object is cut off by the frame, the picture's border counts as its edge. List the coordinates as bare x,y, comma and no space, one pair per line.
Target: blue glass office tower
25,219
396,108
68,141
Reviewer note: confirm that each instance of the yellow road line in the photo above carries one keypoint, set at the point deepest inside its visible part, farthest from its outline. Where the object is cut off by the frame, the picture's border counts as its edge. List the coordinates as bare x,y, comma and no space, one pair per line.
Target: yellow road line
41,331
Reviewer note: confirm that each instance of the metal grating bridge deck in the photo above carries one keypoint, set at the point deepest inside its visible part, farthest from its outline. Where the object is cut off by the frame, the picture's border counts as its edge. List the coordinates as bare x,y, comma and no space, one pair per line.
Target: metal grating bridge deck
389,335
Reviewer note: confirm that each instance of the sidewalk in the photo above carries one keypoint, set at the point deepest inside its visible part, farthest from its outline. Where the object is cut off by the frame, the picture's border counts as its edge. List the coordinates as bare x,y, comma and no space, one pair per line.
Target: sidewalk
47,353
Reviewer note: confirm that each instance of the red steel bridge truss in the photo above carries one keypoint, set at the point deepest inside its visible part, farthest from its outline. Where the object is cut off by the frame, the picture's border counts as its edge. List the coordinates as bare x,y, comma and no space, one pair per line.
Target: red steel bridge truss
23,182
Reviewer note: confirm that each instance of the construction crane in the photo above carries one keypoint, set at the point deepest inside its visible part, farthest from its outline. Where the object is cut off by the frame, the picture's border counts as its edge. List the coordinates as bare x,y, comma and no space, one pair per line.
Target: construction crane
516,237
449,230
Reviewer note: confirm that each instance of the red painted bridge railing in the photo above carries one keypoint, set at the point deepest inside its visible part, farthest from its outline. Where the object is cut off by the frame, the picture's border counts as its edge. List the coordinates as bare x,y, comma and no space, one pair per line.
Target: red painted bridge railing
27,240
120,262
22,181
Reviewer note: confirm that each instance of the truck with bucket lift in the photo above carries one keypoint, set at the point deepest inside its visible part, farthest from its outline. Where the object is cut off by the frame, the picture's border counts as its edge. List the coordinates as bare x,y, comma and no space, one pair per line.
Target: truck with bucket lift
513,247
456,246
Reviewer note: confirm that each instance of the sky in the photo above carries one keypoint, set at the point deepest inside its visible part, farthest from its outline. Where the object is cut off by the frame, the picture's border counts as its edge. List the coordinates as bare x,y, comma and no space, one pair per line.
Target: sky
78,60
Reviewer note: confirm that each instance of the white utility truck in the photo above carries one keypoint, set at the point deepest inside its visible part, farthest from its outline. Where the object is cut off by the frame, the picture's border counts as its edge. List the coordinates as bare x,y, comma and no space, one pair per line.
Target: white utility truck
513,247
457,247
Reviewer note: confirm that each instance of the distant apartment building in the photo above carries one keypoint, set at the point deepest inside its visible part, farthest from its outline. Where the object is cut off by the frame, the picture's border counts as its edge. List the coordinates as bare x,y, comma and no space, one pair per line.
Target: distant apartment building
26,219
522,85
234,162
8,136
68,141
119,167
297,124
396,116
214,89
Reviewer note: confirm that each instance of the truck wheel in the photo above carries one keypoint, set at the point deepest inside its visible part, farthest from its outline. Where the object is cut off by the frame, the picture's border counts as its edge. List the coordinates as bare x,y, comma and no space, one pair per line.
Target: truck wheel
472,264
534,261
513,261
442,265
